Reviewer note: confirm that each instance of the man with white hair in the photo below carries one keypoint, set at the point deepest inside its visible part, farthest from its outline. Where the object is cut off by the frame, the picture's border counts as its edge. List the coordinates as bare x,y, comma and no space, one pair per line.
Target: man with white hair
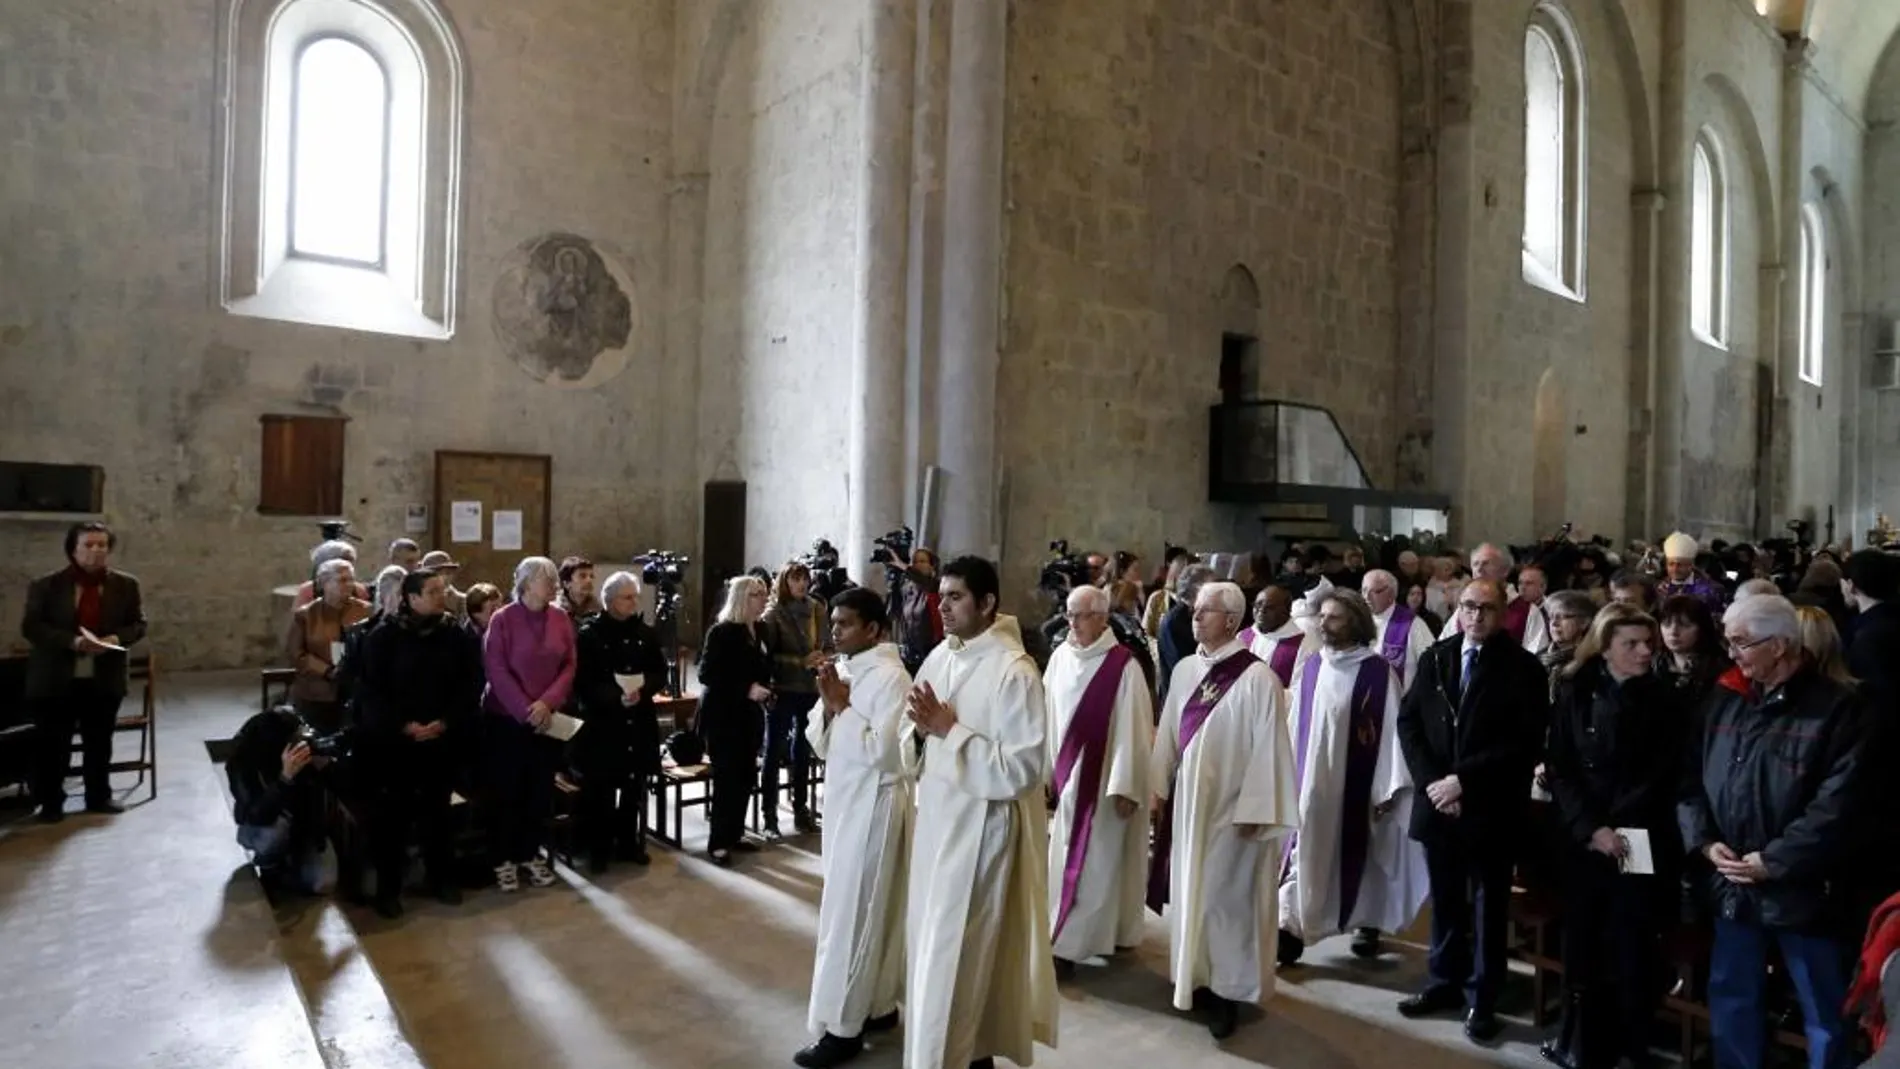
1680,576
1487,562
1401,635
1352,865
1525,617
1224,731
405,554
334,549
1101,731
1277,638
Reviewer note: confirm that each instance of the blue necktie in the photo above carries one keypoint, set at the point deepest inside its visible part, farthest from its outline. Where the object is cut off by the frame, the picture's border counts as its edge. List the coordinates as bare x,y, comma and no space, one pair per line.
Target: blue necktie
1471,658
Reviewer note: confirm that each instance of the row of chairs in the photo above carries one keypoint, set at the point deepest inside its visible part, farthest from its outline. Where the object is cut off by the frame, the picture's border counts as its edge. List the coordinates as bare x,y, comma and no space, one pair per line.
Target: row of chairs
19,736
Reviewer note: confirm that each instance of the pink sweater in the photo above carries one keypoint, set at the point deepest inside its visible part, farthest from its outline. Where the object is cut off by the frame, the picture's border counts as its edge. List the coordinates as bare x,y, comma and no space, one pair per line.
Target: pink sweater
529,656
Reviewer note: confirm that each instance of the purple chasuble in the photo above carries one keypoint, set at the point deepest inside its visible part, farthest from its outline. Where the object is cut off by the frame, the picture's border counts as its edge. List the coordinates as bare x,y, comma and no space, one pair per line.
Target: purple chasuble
1397,638
1087,742
1285,652
1213,687
1367,725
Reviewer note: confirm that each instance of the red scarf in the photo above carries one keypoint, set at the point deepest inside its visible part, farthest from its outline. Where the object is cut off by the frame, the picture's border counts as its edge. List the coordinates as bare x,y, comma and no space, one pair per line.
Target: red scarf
89,585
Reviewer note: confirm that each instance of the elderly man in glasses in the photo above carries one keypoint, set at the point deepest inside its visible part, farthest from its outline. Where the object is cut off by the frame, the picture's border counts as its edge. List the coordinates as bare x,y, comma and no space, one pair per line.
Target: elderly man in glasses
1778,759
1470,728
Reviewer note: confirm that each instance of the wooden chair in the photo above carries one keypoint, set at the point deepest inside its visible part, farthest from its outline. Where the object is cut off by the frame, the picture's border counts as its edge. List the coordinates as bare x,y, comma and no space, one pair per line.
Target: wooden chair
669,790
141,668
274,677
1536,918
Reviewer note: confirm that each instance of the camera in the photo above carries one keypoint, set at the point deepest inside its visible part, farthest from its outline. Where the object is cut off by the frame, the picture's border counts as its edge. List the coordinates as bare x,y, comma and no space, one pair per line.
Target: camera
332,745
893,548
665,572
1063,572
828,577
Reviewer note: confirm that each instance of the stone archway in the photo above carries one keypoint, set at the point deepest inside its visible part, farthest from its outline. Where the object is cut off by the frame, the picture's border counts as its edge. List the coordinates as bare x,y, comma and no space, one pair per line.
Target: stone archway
1550,454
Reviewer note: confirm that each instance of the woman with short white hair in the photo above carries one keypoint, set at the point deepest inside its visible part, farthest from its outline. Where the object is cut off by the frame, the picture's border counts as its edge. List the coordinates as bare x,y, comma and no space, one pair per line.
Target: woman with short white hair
389,590
735,673
530,654
621,667
312,588
313,645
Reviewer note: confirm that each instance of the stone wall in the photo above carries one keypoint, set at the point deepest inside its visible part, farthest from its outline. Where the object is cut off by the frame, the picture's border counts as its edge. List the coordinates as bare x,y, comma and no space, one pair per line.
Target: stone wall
1150,149
113,349
1878,412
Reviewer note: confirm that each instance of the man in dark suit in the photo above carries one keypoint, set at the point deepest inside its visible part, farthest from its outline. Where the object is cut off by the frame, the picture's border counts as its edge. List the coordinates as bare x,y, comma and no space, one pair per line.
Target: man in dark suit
1470,729
79,620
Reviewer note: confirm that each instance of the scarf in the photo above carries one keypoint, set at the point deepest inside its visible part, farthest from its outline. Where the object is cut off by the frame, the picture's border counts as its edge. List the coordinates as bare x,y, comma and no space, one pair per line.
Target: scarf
90,584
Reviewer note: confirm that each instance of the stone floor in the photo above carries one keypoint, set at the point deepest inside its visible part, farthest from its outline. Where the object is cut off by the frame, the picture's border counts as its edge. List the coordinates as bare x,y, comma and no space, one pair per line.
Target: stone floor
142,940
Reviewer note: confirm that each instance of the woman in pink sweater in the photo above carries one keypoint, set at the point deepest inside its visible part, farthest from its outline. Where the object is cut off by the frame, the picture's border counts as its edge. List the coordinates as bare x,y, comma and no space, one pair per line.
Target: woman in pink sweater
528,651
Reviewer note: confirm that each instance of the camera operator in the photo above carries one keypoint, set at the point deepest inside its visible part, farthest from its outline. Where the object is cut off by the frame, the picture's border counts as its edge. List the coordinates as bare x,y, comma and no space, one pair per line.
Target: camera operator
1062,576
619,667
277,801
420,680
915,591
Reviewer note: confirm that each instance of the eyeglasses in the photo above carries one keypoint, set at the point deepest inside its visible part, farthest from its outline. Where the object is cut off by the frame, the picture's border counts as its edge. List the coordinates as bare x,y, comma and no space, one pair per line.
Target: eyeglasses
1476,607
1741,645
1072,617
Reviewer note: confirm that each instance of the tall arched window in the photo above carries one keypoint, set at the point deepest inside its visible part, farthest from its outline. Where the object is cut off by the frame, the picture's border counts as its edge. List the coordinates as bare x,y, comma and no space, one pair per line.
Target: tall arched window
342,164
1708,241
1554,174
1812,278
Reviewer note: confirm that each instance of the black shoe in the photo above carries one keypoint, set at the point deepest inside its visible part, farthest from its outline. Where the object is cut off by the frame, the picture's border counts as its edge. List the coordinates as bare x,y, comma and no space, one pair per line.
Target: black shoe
983,1063
448,894
881,1024
1431,1001
1223,1015
830,1050
639,856
804,822
596,864
1202,996
51,814
1482,1026
747,846
1290,948
721,857
1563,1049
634,849
1365,943
389,908
106,806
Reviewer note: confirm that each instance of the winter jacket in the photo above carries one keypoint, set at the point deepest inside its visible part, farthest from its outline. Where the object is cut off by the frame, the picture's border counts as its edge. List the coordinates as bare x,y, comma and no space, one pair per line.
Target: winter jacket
1614,757
417,671
618,736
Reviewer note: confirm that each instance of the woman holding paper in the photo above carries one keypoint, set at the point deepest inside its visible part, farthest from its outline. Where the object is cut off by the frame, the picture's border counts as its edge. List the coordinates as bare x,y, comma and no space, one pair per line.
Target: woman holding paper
314,644
529,653
1615,751
621,665
735,670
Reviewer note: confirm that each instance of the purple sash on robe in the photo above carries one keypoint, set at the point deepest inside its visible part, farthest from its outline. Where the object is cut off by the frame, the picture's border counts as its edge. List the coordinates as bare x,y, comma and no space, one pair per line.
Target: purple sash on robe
1086,741
1365,728
1285,652
1397,638
1212,688
1245,637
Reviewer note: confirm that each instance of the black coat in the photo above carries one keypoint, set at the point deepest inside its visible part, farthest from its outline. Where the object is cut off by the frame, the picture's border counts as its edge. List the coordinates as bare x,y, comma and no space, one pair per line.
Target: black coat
415,674
733,658
51,625
1488,736
619,738
1774,774
1614,758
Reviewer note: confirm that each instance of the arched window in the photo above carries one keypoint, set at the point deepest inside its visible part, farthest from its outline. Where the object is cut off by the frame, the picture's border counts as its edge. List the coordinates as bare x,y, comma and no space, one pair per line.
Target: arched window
1812,278
342,164
1708,241
1554,177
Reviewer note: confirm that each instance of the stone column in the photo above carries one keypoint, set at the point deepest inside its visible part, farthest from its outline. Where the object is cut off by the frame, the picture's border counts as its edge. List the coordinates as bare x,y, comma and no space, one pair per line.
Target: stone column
1671,292
1646,209
876,440
972,277
1458,197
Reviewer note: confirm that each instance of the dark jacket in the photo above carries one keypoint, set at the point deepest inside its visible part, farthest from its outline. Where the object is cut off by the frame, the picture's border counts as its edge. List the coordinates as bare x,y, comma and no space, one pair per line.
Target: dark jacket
1772,773
1614,758
1176,642
255,768
730,662
794,631
1691,688
1487,735
617,736
51,625
417,672
1874,657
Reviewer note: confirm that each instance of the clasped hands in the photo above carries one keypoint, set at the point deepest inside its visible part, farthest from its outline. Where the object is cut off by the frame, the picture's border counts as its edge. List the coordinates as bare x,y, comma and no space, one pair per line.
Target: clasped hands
931,714
833,691
1735,868
424,732
1446,795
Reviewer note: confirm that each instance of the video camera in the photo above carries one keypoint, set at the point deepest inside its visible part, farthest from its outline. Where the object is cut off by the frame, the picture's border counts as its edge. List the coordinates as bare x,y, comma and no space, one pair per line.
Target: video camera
828,577
333,745
893,552
338,531
665,572
1063,572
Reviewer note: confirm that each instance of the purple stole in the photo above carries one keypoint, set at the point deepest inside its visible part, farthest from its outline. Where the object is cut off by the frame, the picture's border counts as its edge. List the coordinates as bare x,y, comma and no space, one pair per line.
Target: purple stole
1286,652
1397,638
1362,761
1213,687
1087,742
1246,635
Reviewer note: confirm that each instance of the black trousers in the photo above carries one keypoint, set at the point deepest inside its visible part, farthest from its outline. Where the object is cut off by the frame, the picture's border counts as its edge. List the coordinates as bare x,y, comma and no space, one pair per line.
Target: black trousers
1613,962
518,766
785,742
613,809
411,798
89,709
1471,904
730,745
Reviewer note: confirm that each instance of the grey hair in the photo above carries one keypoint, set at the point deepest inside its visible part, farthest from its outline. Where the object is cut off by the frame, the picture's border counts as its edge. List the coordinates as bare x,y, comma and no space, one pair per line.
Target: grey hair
389,588
1379,573
1192,579
1227,596
329,570
1088,599
529,569
1764,616
738,588
1756,588
611,588
1571,603
334,549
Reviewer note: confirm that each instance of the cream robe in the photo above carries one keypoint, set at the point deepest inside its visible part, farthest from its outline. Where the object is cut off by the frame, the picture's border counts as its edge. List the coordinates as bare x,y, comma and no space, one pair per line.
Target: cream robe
1222,907
981,981
1394,885
859,972
1537,628
1108,909
1263,645
1416,642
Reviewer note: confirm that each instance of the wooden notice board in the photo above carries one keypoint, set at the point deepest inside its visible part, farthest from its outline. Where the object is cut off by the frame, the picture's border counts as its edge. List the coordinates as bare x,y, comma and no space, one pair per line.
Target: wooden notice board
497,484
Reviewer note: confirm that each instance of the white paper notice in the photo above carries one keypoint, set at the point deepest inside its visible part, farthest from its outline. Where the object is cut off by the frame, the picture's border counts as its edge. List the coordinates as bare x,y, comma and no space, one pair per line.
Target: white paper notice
465,521
562,726
507,529
1639,861
415,519
336,654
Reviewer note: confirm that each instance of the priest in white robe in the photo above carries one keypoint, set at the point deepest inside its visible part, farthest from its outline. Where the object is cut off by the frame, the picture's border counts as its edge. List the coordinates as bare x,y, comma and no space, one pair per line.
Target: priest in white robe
1401,636
1525,617
1223,763
1352,866
1101,732
1277,638
859,971
981,979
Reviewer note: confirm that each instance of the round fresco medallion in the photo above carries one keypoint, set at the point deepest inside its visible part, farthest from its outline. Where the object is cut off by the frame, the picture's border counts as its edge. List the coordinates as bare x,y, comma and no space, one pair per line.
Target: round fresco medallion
562,311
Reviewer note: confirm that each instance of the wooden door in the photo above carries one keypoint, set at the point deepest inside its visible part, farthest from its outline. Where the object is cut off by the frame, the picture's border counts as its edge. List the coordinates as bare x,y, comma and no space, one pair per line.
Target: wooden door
481,499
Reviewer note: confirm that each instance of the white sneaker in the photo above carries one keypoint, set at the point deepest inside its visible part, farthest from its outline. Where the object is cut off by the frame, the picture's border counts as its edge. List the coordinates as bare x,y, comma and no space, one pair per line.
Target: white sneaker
506,878
539,874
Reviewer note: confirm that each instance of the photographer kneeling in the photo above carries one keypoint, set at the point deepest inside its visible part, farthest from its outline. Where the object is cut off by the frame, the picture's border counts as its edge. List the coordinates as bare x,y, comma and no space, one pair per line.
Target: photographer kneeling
619,667
278,800
420,679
